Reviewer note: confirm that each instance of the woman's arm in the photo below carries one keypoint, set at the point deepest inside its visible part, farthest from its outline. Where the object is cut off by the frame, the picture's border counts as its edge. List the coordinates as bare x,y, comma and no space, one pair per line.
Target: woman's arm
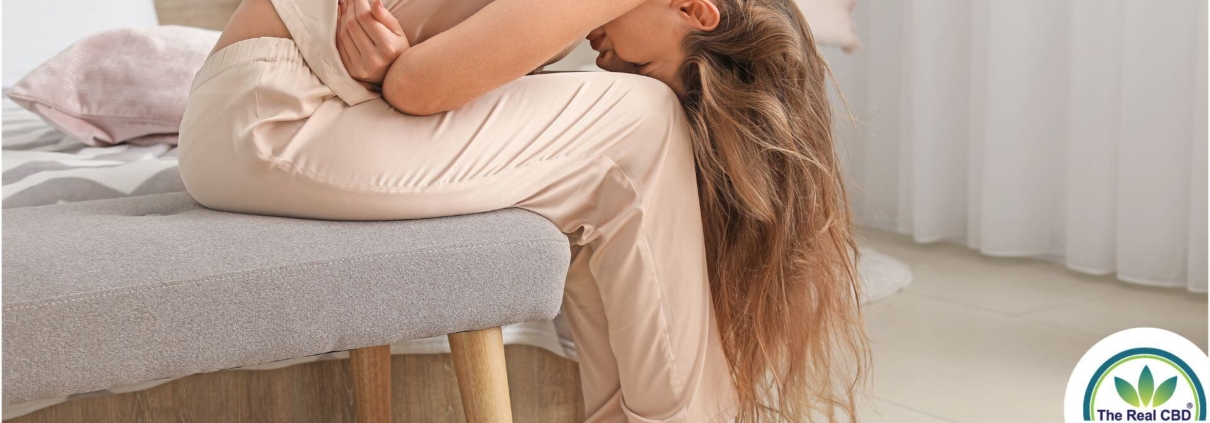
502,42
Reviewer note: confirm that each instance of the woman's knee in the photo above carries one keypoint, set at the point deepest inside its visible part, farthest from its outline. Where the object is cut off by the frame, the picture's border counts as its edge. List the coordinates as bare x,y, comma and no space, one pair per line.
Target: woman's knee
650,111
648,97
651,89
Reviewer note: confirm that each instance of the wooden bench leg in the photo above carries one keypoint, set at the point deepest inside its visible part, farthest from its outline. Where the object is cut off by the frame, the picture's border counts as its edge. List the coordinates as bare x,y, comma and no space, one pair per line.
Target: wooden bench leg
372,383
482,376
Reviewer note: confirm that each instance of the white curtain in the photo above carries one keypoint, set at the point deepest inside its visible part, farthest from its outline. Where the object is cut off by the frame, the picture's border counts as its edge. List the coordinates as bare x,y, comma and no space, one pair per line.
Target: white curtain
1070,130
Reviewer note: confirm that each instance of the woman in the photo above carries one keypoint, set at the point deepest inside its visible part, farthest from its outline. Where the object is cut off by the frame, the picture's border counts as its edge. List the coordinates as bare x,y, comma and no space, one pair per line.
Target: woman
739,306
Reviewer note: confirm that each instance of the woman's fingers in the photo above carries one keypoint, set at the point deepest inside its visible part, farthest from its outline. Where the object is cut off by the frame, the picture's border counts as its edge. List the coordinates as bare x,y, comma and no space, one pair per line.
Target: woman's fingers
369,39
340,45
344,56
346,39
355,29
343,49
364,16
385,17
381,31
357,37
340,19
342,28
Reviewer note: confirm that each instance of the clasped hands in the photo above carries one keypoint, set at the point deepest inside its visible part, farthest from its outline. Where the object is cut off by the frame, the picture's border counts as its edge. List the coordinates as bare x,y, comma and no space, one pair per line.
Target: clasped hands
369,40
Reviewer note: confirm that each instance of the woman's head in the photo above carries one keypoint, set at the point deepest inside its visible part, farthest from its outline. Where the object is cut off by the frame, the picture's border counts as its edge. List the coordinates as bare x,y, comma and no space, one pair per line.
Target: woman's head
781,251
648,40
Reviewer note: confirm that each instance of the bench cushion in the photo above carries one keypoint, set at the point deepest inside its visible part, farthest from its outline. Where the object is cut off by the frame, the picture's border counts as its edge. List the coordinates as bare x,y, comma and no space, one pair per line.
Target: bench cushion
105,293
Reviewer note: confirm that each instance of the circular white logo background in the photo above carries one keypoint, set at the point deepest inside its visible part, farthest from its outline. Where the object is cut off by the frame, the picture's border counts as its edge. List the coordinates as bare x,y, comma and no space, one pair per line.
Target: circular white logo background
1140,374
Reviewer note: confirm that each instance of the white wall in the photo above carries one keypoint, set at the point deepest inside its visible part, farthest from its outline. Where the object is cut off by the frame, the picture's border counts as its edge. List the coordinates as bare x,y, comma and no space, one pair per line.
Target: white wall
35,30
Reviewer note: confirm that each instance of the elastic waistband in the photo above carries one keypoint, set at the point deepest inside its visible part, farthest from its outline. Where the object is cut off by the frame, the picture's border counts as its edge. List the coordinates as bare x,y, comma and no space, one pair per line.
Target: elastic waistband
265,49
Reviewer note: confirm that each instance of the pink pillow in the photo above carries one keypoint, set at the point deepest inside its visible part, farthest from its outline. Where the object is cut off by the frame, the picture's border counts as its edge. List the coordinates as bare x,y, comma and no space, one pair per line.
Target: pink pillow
832,22
119,85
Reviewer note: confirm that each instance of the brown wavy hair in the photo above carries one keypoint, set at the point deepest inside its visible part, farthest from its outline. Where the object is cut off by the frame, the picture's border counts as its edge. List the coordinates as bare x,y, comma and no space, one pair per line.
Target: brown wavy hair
778,228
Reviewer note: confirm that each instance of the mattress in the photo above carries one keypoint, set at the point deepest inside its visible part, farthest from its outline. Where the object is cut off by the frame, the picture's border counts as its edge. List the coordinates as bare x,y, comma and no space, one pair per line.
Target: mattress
43,166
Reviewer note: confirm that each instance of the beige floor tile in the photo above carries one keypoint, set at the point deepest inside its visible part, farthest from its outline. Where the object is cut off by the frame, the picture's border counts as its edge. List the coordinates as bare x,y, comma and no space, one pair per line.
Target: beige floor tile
909,314
1178,311
879,411
976,334
983,368
1006,285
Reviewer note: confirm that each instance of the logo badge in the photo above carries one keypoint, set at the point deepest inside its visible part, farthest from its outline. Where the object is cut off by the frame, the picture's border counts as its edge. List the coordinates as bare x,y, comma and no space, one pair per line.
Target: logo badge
1139,375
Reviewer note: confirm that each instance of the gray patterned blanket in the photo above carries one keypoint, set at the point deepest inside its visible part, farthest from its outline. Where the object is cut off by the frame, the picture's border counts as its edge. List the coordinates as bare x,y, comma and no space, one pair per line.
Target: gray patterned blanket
44,166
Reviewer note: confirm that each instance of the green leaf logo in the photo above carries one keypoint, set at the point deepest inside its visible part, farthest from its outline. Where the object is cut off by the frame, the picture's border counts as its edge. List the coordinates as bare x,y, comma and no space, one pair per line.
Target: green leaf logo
1147,395
1146,386
1126,391
1164,392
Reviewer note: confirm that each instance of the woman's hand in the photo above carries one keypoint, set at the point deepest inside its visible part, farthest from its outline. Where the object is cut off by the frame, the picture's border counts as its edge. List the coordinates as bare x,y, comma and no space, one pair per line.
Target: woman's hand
369,39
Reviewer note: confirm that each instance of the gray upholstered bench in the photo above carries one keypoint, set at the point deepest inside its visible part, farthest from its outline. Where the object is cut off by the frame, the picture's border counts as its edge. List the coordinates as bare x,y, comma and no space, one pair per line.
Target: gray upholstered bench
112,292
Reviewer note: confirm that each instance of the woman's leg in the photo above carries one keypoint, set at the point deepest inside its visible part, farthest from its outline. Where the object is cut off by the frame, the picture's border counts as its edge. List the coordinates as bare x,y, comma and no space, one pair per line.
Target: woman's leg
605,157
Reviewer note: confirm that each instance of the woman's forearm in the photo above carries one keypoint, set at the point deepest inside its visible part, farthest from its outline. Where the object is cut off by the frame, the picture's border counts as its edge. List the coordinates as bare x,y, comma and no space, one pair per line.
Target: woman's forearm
413,85
403,92
502,42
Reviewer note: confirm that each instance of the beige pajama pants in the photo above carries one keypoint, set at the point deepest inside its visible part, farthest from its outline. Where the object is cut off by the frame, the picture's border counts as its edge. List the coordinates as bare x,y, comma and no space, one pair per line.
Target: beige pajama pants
606,157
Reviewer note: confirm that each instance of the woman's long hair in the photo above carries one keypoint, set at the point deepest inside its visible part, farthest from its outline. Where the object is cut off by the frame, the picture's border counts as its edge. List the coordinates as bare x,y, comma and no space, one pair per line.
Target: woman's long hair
778,232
